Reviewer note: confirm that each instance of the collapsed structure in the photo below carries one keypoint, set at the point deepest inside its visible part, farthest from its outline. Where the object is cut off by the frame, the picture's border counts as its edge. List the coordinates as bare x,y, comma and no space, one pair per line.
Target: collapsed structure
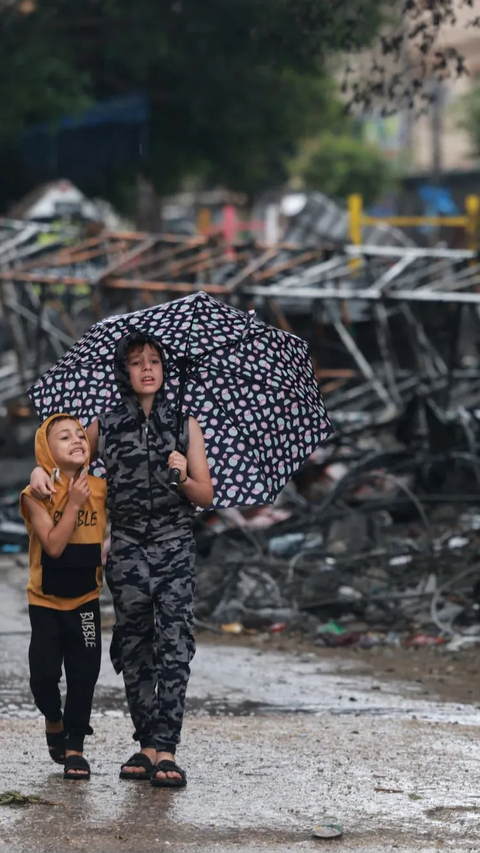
393,330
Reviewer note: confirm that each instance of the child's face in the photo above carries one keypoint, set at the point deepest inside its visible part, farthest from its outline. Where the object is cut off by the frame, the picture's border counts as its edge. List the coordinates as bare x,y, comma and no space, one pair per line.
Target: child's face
145,370
68,444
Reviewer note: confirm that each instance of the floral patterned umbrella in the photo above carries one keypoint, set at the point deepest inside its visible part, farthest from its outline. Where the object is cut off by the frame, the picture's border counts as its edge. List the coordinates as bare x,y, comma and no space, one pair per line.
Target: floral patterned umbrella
251,387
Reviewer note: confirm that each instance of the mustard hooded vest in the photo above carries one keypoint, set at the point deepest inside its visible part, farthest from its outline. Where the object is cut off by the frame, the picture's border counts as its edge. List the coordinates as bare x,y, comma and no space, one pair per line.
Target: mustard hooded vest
74,578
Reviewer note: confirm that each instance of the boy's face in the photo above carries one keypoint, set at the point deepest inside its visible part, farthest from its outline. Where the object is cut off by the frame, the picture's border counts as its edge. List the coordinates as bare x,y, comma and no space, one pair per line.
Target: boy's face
68,444
145,370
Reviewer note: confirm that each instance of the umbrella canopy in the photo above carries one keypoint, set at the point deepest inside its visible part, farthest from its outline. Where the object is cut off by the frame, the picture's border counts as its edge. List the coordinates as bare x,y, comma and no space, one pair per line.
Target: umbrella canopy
251,387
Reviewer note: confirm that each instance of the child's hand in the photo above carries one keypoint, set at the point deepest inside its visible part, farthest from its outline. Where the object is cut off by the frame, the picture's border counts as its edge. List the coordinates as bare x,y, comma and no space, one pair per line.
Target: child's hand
176,460
79,490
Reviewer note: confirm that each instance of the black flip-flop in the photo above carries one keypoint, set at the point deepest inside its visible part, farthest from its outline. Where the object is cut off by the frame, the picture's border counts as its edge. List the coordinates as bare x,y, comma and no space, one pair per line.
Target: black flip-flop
73,763
56,746
138,759
167,766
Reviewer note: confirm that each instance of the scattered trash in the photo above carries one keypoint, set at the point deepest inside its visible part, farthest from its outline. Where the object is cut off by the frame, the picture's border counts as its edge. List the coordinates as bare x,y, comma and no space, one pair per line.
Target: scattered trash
389,790
423,640
233,628
379,532
401,560
470,521
457,542
350,593
15,798
395,568
328,828
462,642
287,545
10,549
331,628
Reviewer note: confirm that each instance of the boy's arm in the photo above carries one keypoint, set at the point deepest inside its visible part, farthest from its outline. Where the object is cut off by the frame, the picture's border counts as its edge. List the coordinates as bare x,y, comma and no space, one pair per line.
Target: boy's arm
194,468
92,435
40,482
55,537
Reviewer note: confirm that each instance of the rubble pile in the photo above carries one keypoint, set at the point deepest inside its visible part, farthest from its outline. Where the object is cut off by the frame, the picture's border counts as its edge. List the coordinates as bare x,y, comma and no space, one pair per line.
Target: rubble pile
385,323
355,552
377,538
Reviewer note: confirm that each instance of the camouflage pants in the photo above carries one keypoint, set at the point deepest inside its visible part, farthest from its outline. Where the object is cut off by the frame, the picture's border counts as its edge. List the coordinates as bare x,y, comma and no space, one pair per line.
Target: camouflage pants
153,643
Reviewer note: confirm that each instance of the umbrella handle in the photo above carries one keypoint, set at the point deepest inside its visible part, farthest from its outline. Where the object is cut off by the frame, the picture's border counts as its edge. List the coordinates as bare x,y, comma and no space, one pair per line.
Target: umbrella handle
173,479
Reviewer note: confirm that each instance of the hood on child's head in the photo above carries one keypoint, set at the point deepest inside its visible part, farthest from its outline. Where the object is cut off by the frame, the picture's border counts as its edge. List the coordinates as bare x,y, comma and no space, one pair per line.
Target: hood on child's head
122,376
43,454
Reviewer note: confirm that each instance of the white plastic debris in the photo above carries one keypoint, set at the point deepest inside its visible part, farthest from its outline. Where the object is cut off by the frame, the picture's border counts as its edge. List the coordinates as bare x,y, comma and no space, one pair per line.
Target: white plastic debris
328,828
349,592
470,520
461,642
401,560
457,542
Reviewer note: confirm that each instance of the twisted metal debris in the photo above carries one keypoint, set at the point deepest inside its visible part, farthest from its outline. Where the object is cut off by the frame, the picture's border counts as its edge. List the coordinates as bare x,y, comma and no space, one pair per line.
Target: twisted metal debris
394,332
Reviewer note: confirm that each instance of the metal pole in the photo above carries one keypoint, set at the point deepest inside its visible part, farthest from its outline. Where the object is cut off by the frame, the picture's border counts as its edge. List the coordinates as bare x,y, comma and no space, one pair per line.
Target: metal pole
472,209
355,205
437,131
346,292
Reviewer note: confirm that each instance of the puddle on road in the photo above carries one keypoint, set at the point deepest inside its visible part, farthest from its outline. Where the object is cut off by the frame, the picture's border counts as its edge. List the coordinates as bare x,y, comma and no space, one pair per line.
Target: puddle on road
17,703
239,682
456,814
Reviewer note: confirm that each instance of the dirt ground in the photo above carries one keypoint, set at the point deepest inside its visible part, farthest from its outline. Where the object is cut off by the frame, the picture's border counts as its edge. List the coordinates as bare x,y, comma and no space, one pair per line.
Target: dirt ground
279,733
451,676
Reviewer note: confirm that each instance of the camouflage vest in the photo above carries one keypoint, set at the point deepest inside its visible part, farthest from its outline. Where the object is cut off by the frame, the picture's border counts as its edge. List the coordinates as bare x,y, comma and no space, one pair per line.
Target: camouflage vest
135,450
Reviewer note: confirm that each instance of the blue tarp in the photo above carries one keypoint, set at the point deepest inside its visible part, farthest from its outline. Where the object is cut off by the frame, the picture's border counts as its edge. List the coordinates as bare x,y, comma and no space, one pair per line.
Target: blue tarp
131,109
108,136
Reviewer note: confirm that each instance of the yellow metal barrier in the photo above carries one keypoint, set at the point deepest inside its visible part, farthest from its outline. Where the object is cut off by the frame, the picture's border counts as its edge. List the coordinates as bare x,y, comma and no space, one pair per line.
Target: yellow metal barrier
472,206
204,220
470,221
355,220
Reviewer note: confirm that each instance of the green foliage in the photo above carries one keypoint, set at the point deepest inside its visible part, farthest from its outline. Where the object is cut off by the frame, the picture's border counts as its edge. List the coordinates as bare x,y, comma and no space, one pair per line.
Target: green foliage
469,110
232,84
339,164
37,83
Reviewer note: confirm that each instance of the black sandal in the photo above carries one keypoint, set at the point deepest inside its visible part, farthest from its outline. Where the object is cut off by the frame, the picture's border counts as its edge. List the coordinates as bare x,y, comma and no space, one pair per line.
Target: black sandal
73,763
138,759
167,766
56,746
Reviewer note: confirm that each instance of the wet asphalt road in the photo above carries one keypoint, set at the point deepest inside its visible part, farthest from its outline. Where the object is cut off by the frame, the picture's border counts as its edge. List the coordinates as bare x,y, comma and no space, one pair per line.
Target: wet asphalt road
272,742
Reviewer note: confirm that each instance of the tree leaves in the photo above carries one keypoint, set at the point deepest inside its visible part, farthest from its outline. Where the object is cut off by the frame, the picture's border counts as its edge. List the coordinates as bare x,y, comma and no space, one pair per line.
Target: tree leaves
409,54
340,164
469,108
232,84
15,798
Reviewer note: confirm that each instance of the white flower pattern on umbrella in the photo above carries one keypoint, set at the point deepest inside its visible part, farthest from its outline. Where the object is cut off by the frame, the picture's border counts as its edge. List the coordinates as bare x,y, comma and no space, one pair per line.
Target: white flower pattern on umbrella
251,387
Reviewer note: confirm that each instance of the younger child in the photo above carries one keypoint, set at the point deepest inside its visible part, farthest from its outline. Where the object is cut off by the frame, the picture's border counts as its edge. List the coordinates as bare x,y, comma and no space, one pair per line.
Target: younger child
66,532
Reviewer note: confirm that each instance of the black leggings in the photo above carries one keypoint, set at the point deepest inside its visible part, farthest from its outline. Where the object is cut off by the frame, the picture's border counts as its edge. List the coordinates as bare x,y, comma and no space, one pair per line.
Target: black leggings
72,638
